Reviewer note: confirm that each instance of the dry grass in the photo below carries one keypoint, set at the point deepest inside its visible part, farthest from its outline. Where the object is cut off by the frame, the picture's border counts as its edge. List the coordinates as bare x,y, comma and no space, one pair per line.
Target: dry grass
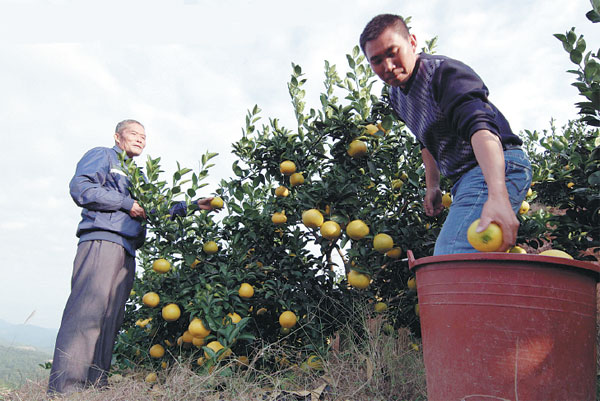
368,365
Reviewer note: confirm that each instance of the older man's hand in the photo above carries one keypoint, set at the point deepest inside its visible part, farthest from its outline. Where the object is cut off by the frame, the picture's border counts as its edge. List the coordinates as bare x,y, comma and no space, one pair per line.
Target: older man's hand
137,211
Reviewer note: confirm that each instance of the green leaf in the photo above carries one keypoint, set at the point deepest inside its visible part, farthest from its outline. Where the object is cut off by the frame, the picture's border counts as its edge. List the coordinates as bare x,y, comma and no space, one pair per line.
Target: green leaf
593,16
591,69
580,45
594,178
387,122
351,62
571,37
236,169
564,41
576,56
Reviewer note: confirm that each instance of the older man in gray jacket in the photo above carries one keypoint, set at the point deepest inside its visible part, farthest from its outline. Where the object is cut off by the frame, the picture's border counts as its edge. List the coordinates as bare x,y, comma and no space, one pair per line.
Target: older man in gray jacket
109,233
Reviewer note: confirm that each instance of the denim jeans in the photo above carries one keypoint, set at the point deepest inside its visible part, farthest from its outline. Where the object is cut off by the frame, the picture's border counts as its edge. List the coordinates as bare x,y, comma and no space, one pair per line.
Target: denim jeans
469,194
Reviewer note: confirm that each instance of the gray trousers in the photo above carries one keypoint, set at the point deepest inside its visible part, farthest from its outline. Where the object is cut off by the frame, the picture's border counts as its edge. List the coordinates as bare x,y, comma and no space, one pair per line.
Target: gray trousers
103,274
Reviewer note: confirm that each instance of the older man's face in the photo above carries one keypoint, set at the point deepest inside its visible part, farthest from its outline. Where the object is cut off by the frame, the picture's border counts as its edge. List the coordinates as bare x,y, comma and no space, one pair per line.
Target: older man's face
132,139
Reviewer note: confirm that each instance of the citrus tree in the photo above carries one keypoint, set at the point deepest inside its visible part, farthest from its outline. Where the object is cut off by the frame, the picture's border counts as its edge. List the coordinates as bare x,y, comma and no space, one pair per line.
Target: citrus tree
315,218
566,172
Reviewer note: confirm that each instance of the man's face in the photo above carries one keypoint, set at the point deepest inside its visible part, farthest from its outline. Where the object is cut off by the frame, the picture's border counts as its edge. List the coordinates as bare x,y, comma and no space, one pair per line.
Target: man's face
392,56
132,140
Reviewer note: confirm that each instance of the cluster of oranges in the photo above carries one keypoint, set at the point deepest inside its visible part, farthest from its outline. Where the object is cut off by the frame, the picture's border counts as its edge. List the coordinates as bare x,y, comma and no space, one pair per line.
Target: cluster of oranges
330,229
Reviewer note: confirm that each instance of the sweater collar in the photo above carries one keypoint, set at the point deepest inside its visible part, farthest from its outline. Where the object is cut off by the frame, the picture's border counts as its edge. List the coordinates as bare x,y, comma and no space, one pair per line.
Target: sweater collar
119,151
408,85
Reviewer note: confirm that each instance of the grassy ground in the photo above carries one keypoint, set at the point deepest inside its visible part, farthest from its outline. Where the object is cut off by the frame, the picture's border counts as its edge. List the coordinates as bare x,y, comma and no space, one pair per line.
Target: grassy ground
377,368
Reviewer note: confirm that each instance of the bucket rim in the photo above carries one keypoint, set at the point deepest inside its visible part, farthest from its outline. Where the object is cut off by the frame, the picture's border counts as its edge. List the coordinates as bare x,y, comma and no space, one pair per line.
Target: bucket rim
414,264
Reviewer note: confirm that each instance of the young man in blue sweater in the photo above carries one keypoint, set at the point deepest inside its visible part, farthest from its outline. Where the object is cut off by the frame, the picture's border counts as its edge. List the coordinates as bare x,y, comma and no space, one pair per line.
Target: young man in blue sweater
463,136
109,233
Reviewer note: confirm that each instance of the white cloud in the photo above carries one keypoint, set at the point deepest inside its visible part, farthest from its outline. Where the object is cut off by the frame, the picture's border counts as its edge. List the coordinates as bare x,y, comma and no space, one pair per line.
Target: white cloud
189,70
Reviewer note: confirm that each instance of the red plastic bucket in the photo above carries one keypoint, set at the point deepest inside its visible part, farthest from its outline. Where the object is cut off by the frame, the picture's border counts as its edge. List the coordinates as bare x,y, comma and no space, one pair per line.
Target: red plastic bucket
500,326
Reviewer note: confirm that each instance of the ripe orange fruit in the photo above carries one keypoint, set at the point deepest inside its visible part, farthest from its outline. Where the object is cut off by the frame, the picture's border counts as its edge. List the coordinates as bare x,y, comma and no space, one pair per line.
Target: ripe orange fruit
161,265
216,347
288,319
331,230
357,148
488,240
394,253
210,247
235,318
556,253
296,179
357,229
312,218
246,291
358,280
150,299
397,184
411,283
195,263
446,200
282,191
198,341
157,351
187,337
151,378
171,312
216,202
371,129
197,328
516,249
380,307
287,167
524,207
570,185
143,322
279,218
261,311
383,243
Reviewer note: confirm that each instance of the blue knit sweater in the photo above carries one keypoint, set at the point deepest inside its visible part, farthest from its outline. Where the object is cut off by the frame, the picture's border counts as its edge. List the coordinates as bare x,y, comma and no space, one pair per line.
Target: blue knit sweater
444,103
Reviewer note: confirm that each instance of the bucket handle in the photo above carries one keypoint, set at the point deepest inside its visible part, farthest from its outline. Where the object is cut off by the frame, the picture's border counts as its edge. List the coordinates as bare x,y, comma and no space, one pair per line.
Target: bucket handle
411,258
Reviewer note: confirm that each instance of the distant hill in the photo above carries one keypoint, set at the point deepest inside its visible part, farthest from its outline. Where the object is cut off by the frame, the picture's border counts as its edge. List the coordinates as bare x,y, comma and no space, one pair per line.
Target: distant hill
40,338
19,364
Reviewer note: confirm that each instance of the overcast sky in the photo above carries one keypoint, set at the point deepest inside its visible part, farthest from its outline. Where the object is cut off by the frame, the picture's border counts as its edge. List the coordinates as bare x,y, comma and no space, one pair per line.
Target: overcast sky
189,70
